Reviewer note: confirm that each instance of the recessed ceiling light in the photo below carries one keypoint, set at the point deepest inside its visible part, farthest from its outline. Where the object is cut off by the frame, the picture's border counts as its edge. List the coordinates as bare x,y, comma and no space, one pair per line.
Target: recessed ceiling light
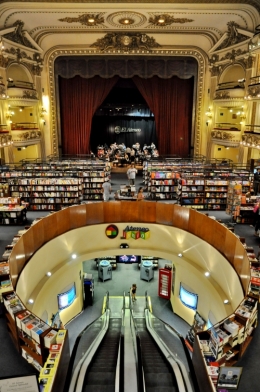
226,301
180,254
30,301
207,273
48,273
74,256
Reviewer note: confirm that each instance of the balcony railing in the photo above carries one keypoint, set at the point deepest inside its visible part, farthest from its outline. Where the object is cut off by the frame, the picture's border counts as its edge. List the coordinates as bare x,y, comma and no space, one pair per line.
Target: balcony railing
20,84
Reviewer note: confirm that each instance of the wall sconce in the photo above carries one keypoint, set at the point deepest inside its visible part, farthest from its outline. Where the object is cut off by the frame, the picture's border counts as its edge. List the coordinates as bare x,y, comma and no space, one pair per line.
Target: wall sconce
209,113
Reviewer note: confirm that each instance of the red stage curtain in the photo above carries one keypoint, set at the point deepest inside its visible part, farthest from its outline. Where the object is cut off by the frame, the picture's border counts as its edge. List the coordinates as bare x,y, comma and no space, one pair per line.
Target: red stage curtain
171,102
79,99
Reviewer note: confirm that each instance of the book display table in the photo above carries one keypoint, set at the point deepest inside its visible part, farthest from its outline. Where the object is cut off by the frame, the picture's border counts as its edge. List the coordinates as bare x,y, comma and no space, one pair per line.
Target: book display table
12,215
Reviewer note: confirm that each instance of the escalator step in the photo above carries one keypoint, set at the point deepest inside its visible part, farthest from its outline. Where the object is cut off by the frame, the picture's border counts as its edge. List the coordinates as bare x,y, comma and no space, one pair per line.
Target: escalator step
161,389
99,388
107,378
159,379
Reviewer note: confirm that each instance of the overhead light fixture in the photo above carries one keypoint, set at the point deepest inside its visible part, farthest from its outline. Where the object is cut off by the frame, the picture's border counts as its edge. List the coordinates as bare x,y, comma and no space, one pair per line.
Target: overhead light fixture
124,246
74,256
30,301
226,301
48,273
207,273
180,254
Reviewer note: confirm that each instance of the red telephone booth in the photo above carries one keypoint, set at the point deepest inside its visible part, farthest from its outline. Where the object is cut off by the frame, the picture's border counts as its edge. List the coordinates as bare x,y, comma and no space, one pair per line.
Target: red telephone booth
165,279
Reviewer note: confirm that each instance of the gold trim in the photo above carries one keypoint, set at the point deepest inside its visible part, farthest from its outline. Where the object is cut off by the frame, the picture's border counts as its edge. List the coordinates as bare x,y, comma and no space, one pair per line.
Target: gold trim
197,54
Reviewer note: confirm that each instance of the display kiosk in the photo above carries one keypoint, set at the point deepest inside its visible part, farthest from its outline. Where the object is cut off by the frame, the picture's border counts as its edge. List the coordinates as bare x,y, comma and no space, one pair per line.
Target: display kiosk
146,270
88,289
104,270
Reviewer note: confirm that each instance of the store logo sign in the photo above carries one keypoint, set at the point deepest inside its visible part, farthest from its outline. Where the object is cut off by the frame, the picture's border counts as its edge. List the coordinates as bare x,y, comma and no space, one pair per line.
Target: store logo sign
111,231
136,232
119,129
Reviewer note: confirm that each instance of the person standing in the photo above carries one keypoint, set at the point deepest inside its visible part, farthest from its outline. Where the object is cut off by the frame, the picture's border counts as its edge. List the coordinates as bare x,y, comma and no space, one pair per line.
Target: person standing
133,292
131,174
256,181
106,188
140,194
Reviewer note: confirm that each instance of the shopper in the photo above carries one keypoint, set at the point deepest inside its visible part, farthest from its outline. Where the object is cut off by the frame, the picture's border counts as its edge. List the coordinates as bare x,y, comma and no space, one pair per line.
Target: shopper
133,292
256,181
140,194
131,174
106,187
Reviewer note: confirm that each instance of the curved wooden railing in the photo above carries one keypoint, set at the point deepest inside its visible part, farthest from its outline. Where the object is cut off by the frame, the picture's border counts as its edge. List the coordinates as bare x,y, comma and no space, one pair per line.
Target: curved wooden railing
183,218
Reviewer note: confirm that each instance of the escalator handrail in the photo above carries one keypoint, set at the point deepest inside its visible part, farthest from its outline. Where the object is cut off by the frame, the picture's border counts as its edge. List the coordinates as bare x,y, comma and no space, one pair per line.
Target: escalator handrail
166,353
77,380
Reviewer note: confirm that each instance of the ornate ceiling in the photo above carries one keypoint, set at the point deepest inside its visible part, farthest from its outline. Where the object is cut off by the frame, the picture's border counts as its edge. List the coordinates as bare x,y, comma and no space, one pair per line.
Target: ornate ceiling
170,23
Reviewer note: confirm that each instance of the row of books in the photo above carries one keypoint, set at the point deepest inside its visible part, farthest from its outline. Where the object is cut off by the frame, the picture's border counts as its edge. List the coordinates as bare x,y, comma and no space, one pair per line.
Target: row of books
47,373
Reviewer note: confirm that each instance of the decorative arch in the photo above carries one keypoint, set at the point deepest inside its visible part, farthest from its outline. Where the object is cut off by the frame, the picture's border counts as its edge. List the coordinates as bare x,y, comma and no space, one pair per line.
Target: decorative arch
184,53
232,73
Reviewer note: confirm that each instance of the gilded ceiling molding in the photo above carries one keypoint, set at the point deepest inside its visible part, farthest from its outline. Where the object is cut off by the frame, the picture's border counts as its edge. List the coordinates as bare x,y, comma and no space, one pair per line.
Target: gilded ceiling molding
253,3
18,35
233,36
85,19
125,41
55,53
126,18
166,20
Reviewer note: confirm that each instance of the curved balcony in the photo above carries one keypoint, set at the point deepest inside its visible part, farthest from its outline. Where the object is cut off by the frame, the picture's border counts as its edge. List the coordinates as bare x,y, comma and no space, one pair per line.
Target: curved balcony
5,139
230,94
253,89
251,137
227,136
21,93
254,44
25,134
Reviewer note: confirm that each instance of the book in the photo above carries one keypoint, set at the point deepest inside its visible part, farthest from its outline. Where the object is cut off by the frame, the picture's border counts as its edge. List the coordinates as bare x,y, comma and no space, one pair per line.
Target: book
56,347
50,338
61,335
229,377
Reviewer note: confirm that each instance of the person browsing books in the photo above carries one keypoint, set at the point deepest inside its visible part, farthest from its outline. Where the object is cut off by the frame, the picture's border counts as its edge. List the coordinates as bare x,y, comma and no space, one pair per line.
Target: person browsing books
131,174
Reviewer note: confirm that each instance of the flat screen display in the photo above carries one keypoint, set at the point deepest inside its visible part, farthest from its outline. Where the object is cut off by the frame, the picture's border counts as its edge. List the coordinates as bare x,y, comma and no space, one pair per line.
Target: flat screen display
66,299
188,298
128,259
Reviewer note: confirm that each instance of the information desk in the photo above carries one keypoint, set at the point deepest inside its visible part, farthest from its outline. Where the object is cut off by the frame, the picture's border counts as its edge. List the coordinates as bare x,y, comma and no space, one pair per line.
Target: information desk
12,215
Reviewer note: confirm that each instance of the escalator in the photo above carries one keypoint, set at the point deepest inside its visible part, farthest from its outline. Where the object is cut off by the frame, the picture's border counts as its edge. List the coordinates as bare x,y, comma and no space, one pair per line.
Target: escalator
101,373
158,374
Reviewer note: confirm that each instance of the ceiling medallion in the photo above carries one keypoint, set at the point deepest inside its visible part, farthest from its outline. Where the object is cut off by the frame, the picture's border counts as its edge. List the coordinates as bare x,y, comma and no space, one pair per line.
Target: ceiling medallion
85,19
126,18
166,20
125,42
126,21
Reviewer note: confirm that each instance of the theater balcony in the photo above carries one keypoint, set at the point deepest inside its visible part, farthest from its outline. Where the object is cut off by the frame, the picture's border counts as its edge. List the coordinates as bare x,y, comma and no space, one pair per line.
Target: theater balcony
21,93
254,44
253,89
5,136
25,134
251,137
226,135
230,94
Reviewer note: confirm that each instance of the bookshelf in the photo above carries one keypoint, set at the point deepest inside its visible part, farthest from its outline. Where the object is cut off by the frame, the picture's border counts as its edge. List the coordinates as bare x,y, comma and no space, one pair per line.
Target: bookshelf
234,194
11,212
225,343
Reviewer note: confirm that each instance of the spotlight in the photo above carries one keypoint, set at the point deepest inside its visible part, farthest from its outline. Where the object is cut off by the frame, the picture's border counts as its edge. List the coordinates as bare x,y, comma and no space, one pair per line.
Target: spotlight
74,256
207,273
124,246
48,273
180,254
30,301
226,301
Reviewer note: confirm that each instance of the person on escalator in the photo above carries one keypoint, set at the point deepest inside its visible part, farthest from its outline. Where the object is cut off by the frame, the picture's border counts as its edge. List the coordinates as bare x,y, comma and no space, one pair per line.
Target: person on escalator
133,292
